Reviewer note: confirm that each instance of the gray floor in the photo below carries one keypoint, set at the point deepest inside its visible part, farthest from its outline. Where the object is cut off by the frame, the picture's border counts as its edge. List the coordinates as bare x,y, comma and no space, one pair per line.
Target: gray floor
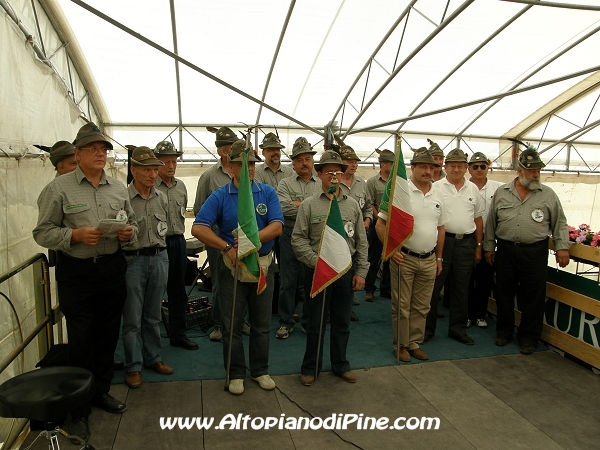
542,401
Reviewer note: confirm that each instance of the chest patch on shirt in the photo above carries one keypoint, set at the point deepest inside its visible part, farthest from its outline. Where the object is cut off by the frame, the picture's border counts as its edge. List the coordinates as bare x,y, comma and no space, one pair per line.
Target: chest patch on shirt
77,205
261,209
161,228
537,215
349,228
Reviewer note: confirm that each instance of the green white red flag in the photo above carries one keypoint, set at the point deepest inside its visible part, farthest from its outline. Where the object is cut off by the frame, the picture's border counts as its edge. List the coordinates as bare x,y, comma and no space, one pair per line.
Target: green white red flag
247,231
396,204
334,258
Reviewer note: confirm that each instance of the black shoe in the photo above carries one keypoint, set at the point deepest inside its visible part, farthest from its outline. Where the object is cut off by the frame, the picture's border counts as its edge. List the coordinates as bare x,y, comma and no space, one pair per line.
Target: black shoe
81,429
385,294
353,317
463,339
427,337
527,349
186,343
440,315
501,342
110,404
118,365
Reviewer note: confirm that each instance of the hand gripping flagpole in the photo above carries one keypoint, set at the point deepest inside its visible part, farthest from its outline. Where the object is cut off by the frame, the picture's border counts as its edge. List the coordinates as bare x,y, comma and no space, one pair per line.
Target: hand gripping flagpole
235,284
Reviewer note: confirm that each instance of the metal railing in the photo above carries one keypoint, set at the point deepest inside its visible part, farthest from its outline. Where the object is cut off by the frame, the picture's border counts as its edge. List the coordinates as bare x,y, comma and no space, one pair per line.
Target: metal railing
46,317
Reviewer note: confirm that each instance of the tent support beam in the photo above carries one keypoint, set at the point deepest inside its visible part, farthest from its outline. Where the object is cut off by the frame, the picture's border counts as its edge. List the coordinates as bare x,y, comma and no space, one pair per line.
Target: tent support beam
189,64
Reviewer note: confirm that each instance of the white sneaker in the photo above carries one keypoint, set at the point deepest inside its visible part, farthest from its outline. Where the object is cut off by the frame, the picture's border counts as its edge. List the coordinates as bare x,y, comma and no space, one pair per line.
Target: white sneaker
246,329
265,382
283,332
216,334
236,387
468,323
481,323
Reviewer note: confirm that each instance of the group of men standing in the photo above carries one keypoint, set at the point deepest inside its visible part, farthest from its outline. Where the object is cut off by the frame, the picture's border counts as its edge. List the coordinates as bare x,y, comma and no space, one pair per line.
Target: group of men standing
455,219
120,248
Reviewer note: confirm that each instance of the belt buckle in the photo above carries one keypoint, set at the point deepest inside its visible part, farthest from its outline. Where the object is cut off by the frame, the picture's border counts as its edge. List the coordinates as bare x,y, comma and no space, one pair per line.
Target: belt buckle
459,236
95,259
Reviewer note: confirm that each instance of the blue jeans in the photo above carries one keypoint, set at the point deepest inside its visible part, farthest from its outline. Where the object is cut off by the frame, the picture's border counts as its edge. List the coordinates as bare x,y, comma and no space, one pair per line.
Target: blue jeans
176,287
259,312
146,279
338,303
374,258
291,280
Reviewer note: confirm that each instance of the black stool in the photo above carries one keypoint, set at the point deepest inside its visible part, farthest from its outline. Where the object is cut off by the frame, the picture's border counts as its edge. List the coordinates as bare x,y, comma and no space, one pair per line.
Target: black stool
46,395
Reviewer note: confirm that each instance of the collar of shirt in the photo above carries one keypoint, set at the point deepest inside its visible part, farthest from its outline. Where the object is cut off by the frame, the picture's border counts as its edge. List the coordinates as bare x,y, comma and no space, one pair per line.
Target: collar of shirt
160,181
133,191
414,188
233,190
81,176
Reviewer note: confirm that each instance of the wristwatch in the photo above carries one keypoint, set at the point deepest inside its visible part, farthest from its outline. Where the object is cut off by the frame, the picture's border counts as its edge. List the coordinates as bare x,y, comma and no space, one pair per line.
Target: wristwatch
479,244
226,249
440,259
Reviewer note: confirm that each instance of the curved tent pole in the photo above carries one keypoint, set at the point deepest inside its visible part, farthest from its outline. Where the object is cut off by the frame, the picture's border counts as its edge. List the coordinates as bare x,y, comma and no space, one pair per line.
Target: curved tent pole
275,55
535,72
191,65
368,63
475,102
429,38
466,59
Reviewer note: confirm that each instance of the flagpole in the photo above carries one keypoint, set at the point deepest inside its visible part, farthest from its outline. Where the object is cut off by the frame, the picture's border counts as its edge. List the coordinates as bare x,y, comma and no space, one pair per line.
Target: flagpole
235,283
398,316
320,333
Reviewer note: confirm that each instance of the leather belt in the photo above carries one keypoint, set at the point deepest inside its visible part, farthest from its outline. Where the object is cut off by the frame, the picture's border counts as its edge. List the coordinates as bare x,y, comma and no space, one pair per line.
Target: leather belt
459,236
418,255
522,244
94,259
148,251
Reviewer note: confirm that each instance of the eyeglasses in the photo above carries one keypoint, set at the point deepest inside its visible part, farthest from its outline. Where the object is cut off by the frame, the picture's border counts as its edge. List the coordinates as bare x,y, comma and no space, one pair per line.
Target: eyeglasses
479,166
95,150
455,166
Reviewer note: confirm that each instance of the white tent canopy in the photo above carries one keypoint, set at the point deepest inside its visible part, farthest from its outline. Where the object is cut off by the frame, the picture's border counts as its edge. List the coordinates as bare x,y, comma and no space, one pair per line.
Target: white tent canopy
464,73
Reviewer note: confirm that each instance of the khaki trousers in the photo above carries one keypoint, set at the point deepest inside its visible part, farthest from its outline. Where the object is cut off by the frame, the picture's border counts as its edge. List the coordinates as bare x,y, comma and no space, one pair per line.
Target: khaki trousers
412,285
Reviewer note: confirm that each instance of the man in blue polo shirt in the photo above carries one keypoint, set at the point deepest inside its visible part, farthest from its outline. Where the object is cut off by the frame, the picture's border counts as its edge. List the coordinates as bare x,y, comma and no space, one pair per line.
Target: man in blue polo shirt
221,208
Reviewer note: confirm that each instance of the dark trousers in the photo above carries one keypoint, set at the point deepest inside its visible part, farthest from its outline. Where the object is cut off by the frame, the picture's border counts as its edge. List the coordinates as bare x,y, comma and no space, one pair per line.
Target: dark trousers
374,257
338,303
91,297
258,308
480,288
521,271
459,257
176,287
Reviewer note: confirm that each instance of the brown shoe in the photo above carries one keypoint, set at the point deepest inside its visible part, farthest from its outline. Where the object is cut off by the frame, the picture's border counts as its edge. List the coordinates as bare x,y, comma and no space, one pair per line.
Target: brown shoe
162,368
419,354
403,355
307,380
348,377
133,379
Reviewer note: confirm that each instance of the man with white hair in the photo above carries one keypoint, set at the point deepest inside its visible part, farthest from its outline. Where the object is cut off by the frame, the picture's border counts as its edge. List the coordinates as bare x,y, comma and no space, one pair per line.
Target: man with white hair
522,215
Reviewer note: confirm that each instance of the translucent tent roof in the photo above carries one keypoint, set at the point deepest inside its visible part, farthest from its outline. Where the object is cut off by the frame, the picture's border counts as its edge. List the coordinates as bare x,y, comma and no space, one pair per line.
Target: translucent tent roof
475,71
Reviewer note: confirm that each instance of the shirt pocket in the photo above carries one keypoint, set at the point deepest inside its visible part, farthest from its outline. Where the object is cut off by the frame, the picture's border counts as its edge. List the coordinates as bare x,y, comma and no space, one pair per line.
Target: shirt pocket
114,209
75,208
181,208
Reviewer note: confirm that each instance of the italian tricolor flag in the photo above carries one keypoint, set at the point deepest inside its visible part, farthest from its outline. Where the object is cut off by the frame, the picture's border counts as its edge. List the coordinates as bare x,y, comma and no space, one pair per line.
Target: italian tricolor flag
334,254
400,221
247,230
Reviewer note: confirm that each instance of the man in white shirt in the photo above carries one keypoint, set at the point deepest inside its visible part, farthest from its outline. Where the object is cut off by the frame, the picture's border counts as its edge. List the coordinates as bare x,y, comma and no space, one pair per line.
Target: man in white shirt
482,277
462,247
414,267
